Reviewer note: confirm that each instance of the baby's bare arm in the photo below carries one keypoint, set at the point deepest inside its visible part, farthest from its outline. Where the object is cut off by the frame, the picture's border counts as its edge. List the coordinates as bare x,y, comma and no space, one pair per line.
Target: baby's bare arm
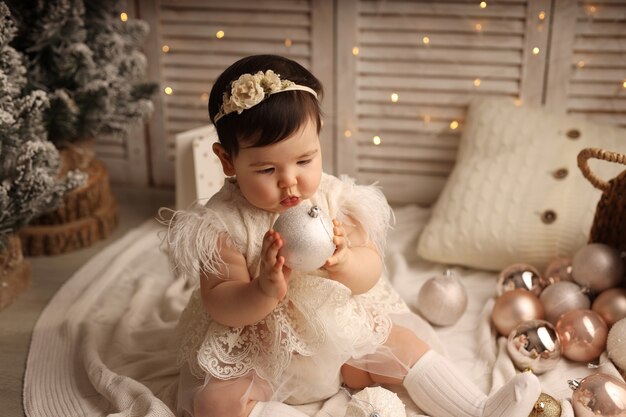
240,300
356,263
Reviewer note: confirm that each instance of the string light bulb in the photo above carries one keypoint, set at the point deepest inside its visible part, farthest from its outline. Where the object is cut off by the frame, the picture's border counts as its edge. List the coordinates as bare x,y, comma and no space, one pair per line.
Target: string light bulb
165,48
394,98
347,133
454,124
478,27
624,84
581,64
425,40
477,82
483,4
123,17
168,90
535,51
542,15
219,34
376,140
355,50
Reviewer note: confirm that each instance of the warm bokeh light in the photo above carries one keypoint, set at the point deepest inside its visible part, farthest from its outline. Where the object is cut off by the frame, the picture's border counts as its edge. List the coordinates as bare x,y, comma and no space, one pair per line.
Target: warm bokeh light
347,133
425,40
394,97
204,96
535,51
581,64
518,101
427,118
454,124
123,17
355,51
624,84
483,4
288,42
376,140
542,15
478,27
165,48
477,82
220,34
168,91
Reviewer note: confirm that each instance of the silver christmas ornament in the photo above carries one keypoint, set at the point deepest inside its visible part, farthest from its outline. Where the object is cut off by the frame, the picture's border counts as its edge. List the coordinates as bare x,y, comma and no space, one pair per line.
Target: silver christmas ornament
522,276
442,300
308,236
562,297
534,345
598,267
616,344
375,402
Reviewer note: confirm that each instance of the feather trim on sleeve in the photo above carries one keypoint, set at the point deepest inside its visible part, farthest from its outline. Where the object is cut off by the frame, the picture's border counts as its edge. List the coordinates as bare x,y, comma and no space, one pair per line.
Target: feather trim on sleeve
367,205
192,240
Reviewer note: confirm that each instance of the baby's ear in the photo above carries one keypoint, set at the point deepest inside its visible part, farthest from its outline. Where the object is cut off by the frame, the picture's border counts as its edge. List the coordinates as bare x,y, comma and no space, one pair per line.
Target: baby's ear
225,159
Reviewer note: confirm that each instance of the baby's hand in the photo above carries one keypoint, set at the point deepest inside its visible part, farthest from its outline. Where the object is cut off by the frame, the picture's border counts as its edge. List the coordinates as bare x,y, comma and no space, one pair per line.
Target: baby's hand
274,275
342,249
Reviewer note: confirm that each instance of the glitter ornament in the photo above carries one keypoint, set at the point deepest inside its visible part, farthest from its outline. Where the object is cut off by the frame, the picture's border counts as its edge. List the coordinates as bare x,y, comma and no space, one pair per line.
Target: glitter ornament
611,305
616,344
534,345
599,395
513,308
562,297
598,267
375,402
308,236
442,300
559,269
546,406
522,276
583,335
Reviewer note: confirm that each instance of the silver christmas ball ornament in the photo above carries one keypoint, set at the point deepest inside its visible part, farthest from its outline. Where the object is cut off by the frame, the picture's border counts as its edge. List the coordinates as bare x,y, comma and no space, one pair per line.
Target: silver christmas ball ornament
561,297
308,235
523,276
616,344
375,402
442,300
534,345
598,267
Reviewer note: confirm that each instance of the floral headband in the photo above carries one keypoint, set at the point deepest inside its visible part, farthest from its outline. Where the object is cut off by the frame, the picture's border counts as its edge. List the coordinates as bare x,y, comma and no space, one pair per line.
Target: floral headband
249,90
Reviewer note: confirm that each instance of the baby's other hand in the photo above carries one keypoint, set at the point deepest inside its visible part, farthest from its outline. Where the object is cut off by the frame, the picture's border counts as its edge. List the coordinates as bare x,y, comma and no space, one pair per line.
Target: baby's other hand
342,248
274,275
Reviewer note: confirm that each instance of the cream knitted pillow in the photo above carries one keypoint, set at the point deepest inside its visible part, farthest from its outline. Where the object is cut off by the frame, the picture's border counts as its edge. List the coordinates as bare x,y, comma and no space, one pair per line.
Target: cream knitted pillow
516,193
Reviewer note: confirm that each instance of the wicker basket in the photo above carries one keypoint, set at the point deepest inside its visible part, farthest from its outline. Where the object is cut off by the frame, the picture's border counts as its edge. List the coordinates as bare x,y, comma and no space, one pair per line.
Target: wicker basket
609,223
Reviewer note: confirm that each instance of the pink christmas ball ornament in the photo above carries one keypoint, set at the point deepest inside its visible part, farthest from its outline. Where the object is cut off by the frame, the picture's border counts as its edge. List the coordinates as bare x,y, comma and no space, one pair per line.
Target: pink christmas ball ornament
583,335
611,305
562,297
599,395
598,267
559,269
514,307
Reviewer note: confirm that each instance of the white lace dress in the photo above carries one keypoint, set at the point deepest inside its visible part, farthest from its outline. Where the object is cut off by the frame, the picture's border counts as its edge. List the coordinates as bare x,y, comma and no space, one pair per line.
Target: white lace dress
319,325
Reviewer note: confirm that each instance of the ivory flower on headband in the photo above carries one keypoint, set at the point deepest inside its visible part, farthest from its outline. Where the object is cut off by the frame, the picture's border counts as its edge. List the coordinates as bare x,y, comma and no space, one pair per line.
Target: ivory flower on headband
251,89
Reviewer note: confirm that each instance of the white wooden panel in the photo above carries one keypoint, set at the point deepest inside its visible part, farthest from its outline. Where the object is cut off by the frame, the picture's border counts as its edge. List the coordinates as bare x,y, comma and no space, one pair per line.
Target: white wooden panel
419,63
189,57
587,76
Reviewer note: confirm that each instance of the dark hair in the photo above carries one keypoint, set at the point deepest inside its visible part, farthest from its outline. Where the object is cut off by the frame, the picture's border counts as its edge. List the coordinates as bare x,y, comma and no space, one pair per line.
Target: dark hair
275,118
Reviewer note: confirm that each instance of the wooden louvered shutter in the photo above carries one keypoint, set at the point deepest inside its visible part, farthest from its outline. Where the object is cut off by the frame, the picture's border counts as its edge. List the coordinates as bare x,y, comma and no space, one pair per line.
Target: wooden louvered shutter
298,29
435,56
588,64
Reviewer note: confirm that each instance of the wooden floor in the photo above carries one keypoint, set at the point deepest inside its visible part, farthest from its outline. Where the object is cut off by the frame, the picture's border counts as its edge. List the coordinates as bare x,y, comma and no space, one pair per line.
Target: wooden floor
49,273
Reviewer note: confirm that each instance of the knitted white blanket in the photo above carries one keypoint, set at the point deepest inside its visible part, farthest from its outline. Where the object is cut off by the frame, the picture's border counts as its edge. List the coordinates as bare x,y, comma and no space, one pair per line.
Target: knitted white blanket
104,344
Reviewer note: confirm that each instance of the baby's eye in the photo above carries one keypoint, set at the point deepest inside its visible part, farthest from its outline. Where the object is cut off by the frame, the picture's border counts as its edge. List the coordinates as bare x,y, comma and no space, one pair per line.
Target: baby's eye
307,161
265,171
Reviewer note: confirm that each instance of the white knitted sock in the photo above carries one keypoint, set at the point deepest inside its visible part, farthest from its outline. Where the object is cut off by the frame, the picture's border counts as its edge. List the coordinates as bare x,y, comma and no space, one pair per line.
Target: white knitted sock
274,409
437,388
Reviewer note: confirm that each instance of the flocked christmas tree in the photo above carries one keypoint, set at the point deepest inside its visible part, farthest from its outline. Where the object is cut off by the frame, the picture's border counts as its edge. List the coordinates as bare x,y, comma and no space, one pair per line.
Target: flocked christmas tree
29,164
88,61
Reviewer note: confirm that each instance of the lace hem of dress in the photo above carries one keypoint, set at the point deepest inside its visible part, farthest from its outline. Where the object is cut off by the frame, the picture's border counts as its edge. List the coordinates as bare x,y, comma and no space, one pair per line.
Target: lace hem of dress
317,316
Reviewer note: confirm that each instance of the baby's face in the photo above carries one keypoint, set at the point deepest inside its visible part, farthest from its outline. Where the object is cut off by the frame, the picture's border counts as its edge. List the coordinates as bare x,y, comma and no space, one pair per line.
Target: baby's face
281,175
